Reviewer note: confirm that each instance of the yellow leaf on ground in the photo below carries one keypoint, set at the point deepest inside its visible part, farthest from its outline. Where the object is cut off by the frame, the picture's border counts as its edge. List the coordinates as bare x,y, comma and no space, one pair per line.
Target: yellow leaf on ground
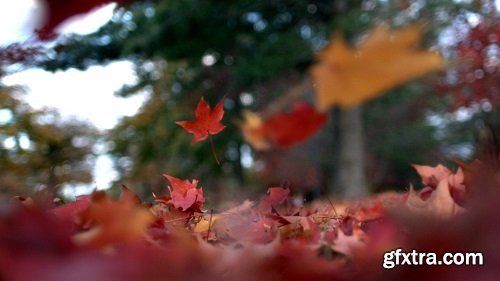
384,59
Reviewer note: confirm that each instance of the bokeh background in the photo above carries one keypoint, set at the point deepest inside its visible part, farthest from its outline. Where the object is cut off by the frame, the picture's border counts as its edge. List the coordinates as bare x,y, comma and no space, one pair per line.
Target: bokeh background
250,53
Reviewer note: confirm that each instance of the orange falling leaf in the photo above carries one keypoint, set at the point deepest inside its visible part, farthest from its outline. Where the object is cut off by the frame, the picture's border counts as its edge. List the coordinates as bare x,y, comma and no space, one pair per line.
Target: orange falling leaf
384,59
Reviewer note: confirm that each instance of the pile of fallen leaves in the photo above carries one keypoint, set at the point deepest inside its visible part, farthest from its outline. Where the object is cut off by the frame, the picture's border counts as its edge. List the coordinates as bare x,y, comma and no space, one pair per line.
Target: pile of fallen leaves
175,238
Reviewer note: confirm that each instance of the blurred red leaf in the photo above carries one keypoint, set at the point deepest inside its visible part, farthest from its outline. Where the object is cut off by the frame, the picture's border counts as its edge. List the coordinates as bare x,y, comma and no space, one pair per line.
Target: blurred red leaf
70,212
57,11
27,231
275,196
242,223
286,129
301,228
207,121
184,194
283,129
129,195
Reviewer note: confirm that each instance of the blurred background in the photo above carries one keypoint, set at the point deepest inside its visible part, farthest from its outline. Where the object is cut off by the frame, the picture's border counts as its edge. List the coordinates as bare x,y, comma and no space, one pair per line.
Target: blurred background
162,56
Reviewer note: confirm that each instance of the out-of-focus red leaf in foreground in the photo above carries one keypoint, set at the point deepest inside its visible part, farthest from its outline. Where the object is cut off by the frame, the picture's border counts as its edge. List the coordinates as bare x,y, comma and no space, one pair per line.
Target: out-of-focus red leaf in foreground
70,212
57,11
273,240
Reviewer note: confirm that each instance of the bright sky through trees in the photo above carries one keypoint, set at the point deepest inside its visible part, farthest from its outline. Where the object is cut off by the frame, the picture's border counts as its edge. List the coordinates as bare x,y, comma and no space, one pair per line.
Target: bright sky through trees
87,95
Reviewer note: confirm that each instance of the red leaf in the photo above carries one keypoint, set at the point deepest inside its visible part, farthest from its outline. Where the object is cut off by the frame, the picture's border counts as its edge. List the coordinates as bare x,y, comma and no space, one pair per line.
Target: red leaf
60,10
242,223
70,212
128,195
184,194
207,121
284,129
29,231
276,196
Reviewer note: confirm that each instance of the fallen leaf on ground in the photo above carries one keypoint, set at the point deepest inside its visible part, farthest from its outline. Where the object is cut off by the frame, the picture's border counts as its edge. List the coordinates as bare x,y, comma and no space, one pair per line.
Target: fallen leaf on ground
184,194
114,221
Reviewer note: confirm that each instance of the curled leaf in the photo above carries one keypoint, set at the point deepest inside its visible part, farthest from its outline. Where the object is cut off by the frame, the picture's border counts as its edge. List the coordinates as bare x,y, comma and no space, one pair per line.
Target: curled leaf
184,194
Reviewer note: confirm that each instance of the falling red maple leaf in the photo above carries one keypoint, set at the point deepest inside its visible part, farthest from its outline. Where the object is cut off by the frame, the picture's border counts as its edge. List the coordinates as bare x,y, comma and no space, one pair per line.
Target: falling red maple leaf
284,129
184,194
207,121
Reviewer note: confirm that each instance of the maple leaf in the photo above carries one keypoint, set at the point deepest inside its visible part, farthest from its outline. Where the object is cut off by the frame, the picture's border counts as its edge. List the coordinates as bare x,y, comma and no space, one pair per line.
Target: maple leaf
30,231
275,196
242,223
439,204
283,129
303,227
70,212
184,194
207,121
431,176
383,60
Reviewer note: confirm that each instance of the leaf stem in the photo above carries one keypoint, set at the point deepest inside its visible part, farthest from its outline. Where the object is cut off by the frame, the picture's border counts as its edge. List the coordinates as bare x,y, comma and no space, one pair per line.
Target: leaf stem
210,223
213,149
333,207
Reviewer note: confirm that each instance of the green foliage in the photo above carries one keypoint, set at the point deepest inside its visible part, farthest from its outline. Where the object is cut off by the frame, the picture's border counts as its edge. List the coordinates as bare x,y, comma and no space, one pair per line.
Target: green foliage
190,48
38,150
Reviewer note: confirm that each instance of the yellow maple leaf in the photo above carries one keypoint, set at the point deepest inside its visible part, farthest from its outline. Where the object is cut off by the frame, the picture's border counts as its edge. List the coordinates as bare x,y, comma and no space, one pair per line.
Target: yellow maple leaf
384,59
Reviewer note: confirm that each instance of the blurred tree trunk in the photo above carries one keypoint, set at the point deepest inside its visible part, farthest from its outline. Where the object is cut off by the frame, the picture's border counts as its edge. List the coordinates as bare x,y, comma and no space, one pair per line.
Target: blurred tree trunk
349,167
